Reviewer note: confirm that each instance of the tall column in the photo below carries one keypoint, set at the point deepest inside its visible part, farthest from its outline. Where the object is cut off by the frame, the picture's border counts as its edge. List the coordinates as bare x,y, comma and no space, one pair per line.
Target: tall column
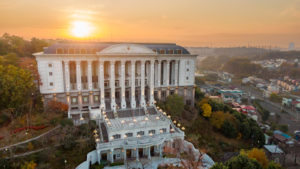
142,102
160,150
101,83
67,76
158,73
112,155
112,85
159,79
67,82
90,82
168,73
133,103
149,153
124,155
123,101
176,73
78,81
151,82
137,154
99,156
78,75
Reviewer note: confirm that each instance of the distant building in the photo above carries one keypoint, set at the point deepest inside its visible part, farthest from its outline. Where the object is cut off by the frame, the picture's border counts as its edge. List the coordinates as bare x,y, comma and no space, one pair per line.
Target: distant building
291,46
275,153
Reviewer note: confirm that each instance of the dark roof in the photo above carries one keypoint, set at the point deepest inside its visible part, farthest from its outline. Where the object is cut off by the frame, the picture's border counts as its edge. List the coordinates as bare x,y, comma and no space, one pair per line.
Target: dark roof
98,46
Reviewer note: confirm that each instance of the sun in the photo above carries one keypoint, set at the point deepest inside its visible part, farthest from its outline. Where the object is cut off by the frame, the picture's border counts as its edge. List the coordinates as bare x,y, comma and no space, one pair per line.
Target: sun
81,29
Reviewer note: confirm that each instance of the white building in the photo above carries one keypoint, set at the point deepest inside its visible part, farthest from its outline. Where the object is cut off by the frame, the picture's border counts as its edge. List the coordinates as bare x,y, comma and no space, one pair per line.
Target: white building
110,76
117,84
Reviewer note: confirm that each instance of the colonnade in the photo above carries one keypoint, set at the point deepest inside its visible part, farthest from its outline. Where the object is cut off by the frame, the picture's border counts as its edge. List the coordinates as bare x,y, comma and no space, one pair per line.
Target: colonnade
156,77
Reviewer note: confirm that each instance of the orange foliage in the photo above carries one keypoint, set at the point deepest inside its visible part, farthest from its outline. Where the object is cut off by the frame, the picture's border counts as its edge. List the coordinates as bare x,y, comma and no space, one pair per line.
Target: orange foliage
57,107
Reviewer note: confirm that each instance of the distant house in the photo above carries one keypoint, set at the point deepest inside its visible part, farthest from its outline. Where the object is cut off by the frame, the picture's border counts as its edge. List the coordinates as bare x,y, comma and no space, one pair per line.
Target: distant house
275,153
229,95
247,109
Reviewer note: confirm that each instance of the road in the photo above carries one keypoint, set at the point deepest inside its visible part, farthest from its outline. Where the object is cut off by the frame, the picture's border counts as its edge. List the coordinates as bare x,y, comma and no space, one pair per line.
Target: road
289,118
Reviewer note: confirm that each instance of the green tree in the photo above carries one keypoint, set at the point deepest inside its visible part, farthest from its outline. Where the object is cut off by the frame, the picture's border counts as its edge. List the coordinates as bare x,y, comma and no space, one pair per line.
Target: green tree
175,105
273,165
16,87
219,166
4,164
242,162
228,129
257,137
245,129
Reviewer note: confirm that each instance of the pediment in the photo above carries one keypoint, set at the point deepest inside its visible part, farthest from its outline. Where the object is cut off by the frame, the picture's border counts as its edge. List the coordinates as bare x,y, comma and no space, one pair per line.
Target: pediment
125,49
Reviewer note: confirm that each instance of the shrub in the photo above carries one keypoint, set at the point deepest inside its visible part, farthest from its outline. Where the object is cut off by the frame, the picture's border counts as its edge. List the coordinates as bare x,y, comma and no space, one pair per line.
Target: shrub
66,122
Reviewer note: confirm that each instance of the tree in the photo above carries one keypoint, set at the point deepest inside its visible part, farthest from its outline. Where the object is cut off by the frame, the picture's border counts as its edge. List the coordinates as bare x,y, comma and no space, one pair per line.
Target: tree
228,129
198,94
258,154
16,86
57,107
219,166
217,119
4,164
273,165
242,162
206,108
275,98
257,136
175,105
29,165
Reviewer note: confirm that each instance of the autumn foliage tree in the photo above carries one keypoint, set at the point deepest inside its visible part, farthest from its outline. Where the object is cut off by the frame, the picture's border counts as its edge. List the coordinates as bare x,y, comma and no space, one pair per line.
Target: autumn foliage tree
206,108
56,107
258,154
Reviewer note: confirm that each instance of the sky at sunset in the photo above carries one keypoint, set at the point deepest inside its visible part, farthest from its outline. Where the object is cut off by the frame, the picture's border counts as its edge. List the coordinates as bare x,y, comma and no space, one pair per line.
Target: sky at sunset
186,22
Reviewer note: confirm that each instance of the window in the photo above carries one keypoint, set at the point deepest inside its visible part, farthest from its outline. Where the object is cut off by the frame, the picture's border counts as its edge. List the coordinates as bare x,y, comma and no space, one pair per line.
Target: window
117,83
151,131
50,73
126,83
154,50
107,94
51,83
179,51
59,51
141,133
187,78
73,100
171,51
117,136
96,98
162,51
50,65
71,51
106,84
187,69
163,130
172,92
129,134
83,51
85,99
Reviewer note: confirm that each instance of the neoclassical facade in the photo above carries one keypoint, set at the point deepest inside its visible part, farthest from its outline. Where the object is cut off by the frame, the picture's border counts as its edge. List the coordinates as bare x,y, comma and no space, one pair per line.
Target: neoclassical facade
114,76
118,84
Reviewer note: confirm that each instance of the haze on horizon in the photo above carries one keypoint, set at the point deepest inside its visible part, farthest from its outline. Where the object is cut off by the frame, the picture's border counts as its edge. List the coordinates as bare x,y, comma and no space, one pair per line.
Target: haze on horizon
189,23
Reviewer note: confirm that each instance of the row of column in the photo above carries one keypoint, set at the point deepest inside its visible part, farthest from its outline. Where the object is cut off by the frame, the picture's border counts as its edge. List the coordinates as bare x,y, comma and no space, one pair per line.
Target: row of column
110,154
122,82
